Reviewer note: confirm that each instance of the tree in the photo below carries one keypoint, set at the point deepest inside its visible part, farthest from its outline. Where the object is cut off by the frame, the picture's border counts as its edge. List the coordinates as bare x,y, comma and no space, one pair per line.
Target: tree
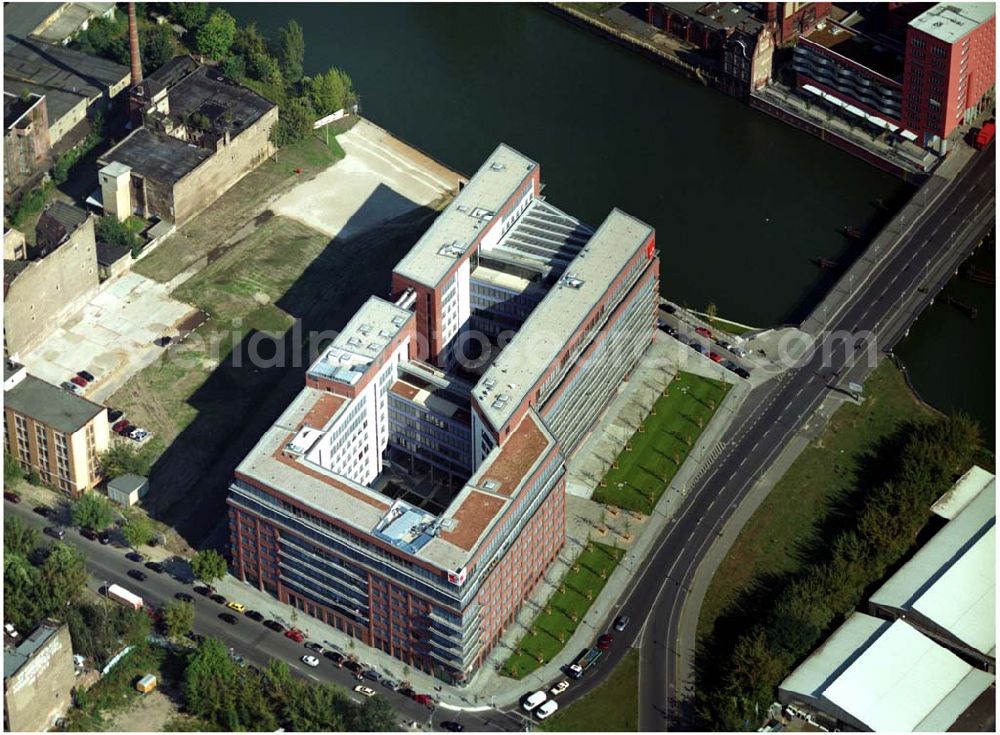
110,230
122,459
98,631
138,531
12,472
21,605
375,715
178,616
19,537
189,15
158,46
208,565
62,577
330,91
294,122
315,708
216,36
293,50
92,511
208,685
235,67
263,66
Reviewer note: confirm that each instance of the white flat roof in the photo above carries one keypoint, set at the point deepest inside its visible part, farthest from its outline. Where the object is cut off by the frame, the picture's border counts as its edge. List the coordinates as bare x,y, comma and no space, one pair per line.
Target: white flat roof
905,682
550,326
951,580
951,21
962,492
465,218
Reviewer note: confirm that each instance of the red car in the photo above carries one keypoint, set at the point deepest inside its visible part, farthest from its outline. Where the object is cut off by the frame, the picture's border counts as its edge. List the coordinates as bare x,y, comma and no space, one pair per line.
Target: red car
604,642
295,634
703,332
12,497
120,427
715,357
77,380
424,699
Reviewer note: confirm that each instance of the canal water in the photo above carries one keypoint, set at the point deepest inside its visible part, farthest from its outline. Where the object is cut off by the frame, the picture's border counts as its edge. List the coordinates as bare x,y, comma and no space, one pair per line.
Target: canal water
742,204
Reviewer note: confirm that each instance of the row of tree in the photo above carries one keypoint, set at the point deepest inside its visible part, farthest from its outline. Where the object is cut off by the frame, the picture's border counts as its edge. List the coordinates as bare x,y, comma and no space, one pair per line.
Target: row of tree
108,38
226,696
882,531
38,581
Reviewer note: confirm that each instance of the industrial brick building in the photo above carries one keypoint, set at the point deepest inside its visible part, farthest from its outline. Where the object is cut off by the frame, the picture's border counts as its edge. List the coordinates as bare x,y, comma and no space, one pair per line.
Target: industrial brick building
197,134
51,280
38,678
432,569
53,432
919,87
26,147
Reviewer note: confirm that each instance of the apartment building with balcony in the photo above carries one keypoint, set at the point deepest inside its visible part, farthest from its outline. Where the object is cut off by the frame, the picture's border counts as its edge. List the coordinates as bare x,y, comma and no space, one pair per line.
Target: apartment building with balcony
433,575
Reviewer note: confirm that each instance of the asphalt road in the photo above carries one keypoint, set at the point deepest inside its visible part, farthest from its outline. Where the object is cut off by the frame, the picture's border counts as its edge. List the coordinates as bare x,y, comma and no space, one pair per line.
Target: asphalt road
257,644
886,304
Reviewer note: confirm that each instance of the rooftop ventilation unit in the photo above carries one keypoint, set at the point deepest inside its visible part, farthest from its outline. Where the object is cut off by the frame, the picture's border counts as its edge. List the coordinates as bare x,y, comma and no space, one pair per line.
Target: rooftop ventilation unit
365,329
570,280
373,346
490,384
354,342
491,485
384,333
497,166
462,207
452,250
397,321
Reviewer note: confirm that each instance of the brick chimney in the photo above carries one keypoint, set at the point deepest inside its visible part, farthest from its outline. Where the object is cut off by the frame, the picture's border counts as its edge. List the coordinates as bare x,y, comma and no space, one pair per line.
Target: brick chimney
133,45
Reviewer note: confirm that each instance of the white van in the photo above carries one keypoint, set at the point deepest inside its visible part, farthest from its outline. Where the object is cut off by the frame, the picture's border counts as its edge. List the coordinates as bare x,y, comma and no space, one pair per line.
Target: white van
547,709
533,701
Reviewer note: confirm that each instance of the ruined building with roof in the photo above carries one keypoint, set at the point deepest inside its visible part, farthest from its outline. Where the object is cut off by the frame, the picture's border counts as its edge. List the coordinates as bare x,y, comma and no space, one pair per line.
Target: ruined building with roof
196,134
413,496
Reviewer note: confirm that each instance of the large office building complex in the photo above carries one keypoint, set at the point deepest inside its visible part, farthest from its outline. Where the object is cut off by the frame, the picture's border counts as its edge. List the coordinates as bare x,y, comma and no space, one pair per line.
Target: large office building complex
412,495
920,85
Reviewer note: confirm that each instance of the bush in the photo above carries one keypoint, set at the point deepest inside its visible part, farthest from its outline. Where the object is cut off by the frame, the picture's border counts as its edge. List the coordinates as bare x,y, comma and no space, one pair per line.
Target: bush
92,511
294,122
121,459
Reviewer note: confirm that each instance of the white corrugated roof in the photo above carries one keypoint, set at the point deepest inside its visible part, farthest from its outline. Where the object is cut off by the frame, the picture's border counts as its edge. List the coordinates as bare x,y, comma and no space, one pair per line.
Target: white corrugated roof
905,682
952,579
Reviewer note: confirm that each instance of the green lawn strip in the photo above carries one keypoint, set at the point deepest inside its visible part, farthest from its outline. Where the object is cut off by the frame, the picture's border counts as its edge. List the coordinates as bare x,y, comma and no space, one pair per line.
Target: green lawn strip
659,449
554,625
729,327
799,504
611,707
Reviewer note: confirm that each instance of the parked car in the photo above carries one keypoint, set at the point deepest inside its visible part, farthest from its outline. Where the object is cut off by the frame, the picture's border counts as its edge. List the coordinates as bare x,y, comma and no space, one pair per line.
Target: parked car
217,598
547,709
743,372
314,647
77,380
114,414
364,691
154,566
104,537
43,510
723,344
621,622
228,618
373,675
698,347
183,597
390,684
66,385
670,308
452,726
605,641
122,427
295,634
274,625
12,497
163,341
135,556
730,365
406,692
672,331
88,534
336,658
237,606
86,376
738,351
55,532
310,660
424,699
559,688
254,615
137,575
703,332
138,435
533,700
204,591
715,357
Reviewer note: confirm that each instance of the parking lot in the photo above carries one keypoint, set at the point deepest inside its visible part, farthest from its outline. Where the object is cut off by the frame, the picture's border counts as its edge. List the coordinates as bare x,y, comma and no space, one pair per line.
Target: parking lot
111,336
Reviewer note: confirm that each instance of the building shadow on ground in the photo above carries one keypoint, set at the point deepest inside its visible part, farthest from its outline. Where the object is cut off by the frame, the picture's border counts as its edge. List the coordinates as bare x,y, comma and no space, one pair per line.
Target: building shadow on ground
253,385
